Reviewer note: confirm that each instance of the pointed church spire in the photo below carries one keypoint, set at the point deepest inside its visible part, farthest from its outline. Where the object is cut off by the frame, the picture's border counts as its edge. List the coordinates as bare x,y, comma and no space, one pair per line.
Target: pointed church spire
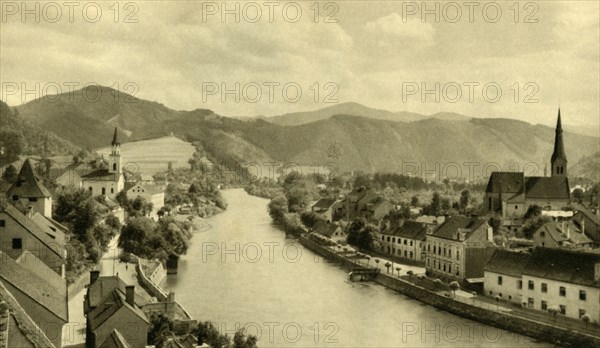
115,141
559,158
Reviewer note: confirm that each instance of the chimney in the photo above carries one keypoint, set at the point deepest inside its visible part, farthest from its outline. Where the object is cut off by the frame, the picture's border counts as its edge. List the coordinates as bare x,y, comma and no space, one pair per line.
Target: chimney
94,276
30,211
130,294
583,225
171,297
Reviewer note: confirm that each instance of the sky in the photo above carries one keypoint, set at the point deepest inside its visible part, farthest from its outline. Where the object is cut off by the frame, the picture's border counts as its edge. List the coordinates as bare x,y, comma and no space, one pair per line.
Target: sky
490,59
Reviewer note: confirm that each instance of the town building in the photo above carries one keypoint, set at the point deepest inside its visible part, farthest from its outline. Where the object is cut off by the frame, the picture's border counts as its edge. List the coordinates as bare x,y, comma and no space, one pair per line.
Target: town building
151,193
406,240
29,193
42,294
100,287
357,199
459,248
325,208
20,233
503,275
550,277
117,311
563,234
330,230
511,193
107,181
588,223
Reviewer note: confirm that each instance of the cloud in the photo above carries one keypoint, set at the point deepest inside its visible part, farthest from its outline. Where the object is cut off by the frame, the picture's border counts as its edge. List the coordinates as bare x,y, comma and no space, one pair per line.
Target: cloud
392,29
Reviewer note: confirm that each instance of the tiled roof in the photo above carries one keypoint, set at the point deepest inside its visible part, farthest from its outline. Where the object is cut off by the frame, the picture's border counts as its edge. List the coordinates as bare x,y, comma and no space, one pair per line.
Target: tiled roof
324,203
587,213
547,187
41,290
104,285
114,301
34,265
100,175
325,228
508,262
35,230
28,184
452,225
410,229
563,265
52,228
147,189
555,230
115,339
505,182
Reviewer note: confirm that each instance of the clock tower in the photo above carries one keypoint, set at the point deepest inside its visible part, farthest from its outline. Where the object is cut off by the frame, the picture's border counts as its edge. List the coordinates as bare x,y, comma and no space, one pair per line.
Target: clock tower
558,160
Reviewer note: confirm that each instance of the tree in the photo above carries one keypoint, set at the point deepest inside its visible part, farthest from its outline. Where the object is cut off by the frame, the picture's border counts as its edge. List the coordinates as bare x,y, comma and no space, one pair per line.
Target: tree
11,146
388,265
410,274
10,174
437,283
414,201
586,319
577,194
435,207
361,235
530,226
465,198
208,333
554,310
241,341
454,286
532,212
278,207
398,269
160,329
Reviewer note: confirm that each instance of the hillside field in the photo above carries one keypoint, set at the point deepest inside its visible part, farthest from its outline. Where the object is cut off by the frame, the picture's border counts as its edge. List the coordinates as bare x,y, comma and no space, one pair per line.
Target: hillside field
153,156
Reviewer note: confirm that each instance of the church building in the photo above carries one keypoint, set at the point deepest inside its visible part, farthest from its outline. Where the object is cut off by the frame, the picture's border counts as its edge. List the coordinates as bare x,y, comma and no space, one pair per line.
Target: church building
511,193
107,181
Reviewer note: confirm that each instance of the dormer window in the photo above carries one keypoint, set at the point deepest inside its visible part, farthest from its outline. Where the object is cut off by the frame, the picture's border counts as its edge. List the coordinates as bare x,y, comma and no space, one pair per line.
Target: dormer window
15,197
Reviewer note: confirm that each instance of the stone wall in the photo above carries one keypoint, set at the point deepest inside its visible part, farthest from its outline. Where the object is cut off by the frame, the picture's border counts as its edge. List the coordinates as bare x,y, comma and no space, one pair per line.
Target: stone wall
152,288
535,329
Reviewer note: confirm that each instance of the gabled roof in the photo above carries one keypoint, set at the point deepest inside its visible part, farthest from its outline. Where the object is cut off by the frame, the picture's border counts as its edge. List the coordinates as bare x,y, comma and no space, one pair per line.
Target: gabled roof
410,229
35,230
325,228
376,203
101,175
97,291
587,213
115,339
555,231
114,301
454,224
28,184
505,182
508,262
52,228
41,290
563,265
547,187
147,189
324,203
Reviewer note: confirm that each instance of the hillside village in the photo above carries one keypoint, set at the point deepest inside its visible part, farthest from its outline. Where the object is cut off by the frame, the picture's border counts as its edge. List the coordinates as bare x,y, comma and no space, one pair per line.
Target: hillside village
43,258
530,242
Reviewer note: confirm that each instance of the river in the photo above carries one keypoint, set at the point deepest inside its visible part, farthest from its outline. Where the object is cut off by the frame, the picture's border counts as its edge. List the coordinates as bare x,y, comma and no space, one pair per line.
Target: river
243,272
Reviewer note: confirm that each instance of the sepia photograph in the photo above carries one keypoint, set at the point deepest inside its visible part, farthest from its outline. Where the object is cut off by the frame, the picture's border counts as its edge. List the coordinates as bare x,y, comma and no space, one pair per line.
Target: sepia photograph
299,174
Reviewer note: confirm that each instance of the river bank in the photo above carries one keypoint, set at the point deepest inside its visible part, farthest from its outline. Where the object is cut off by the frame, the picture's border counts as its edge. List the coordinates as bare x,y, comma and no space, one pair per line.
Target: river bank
535,329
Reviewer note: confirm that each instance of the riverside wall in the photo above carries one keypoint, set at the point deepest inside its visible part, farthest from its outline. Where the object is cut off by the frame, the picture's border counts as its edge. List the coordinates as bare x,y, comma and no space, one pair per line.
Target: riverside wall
535,329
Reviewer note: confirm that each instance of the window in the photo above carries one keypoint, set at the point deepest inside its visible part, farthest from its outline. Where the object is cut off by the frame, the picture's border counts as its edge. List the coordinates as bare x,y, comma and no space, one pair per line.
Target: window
581,313
519,284
542,234
2,223
411,254
404,253
394,240
562,291
563,309
530,302
499,280
544,305
499,294
530,285
405,242
458,254
516,207
17,243
544,287
411,243
32,199
582,295
103,191
15,197
112,190
383,238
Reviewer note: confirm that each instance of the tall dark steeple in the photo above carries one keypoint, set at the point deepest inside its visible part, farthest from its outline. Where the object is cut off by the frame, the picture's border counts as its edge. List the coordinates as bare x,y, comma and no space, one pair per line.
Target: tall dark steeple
115,155
116,142
558,161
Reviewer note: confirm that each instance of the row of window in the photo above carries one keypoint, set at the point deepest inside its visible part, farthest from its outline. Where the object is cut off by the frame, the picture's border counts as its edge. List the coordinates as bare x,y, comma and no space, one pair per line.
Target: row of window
393,240
444,266
562,291
445,251
31,199
112,190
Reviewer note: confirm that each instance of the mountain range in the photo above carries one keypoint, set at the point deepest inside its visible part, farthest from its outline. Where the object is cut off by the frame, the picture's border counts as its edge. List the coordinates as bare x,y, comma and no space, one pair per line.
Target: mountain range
352,136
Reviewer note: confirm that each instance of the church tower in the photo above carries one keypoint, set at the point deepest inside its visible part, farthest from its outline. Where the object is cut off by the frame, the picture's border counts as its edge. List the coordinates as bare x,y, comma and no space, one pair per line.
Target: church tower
558,161
114,162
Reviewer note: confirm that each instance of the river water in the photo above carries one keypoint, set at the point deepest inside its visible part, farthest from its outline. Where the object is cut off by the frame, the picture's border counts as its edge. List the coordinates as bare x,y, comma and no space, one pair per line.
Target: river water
244,273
